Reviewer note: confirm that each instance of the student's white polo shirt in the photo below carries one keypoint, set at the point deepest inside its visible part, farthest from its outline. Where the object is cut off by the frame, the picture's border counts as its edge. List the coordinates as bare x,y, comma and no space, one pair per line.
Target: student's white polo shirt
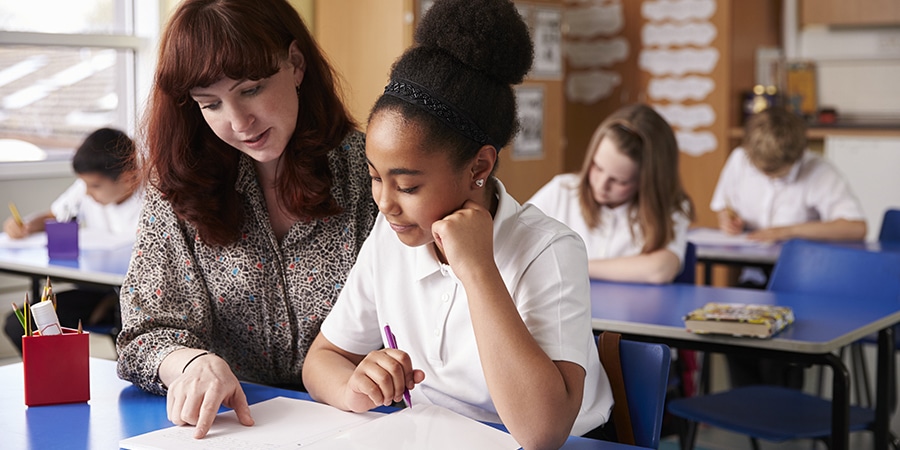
120,219
544,267
812,191
616,236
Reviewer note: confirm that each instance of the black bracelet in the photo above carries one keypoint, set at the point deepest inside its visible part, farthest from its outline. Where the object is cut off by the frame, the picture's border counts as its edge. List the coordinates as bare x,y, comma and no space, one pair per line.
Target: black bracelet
195,357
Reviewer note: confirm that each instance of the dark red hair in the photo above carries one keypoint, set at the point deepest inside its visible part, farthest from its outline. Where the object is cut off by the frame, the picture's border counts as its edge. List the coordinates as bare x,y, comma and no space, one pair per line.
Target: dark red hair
204,41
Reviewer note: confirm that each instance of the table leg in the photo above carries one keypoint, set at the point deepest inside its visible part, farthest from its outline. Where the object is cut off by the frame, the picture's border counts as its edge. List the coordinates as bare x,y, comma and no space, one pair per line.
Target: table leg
707,273
840,403
884,387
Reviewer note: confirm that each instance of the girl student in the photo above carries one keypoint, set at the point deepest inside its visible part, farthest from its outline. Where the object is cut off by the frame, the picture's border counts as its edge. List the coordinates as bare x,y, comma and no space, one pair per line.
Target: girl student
627,202
489,300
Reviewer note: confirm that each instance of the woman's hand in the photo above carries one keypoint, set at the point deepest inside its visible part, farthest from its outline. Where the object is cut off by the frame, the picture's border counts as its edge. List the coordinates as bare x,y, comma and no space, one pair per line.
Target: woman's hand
380,379
195,396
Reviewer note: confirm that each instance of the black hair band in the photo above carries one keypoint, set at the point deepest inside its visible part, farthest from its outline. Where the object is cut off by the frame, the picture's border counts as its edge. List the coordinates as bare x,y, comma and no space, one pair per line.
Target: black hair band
444,111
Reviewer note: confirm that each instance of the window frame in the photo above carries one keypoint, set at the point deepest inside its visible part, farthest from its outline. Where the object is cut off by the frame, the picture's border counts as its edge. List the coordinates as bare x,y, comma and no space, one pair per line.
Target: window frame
135,68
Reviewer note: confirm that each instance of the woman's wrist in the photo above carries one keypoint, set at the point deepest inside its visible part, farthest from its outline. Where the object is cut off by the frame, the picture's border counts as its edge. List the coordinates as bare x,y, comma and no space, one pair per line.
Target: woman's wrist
194,358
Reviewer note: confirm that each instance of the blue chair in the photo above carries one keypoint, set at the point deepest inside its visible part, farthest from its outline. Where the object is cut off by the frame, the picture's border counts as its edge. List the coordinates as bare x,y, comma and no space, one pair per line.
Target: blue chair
779,414
889,238
645,371
688,273
890,227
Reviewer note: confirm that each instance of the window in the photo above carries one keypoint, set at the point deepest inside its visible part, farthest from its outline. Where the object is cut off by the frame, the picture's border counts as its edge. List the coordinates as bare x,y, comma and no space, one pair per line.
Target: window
70,67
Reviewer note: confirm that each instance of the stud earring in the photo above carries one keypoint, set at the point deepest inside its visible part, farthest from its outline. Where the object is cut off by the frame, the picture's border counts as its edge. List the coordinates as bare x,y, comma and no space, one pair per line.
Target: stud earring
479,182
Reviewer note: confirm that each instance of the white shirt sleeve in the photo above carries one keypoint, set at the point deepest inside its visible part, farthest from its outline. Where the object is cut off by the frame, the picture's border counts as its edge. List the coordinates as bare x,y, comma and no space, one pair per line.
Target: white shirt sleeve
678,245
832,197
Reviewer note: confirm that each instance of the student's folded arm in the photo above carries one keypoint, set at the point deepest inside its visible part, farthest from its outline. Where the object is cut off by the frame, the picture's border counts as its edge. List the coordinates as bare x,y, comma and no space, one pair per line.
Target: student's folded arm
514,362
658,267
835,230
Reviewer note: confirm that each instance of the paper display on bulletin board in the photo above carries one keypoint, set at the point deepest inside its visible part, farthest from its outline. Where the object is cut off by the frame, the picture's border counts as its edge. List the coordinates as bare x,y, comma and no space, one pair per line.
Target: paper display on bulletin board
529,141
547,43
545,26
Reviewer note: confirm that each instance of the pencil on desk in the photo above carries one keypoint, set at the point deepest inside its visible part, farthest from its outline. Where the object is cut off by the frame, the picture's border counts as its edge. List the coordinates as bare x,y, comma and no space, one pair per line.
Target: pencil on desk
19,315
25,309
15,213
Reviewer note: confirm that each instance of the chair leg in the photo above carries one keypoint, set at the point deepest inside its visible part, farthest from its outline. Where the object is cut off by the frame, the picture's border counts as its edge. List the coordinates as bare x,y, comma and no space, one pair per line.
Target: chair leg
861,373
688,436
703,387
754,443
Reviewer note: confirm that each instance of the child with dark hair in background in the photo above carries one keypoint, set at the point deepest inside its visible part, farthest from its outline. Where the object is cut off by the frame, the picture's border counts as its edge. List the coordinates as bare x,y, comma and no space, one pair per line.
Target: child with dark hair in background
105,198
627,202
490,300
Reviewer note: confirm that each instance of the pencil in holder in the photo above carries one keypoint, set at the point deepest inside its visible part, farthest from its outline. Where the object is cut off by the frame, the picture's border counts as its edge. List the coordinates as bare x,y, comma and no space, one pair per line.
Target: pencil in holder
62,239
57,368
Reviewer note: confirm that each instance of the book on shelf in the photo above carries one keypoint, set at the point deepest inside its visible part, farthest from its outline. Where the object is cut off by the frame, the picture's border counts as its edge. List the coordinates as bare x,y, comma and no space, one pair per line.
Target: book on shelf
739,319
287,423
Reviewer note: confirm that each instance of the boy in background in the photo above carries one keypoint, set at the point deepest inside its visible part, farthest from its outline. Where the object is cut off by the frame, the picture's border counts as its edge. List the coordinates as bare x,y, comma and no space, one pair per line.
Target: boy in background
775,189
106,198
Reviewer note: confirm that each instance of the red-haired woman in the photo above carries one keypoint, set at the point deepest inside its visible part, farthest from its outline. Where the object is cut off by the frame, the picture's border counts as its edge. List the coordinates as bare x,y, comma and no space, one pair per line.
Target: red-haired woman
257,203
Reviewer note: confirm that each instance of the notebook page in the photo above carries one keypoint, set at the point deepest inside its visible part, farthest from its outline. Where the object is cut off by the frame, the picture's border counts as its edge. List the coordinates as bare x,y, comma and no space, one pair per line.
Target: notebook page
280,422
422,426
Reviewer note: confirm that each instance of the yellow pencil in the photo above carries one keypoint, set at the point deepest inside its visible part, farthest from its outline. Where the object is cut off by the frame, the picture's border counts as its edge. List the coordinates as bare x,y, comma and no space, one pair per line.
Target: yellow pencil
15,213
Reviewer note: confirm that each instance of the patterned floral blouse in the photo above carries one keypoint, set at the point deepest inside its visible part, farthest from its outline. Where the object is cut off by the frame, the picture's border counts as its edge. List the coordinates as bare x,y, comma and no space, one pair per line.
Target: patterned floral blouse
256,303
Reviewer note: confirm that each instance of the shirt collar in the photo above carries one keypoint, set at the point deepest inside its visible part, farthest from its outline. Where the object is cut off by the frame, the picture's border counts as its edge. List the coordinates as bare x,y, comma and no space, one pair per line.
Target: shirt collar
792,174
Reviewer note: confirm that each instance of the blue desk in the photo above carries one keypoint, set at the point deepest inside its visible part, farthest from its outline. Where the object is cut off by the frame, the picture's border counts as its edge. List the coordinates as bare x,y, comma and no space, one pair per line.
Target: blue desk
100,267
823,325
118,410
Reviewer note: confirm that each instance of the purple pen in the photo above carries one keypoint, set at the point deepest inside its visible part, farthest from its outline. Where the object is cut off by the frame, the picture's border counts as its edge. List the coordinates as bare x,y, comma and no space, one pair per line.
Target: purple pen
392,343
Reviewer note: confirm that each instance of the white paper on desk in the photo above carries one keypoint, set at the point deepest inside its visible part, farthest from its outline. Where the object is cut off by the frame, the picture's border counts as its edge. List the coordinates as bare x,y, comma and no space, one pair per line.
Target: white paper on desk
286,423
88,239
36,240
422,426
711,236
280,422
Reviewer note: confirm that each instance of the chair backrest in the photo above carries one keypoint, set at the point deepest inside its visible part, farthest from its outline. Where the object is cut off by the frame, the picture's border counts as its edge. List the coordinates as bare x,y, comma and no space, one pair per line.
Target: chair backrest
645,372
688,273
890,227
828,268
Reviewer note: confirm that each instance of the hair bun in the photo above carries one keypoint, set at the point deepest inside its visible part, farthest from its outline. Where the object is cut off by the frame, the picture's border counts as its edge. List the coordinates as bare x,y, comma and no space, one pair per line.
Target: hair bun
488,35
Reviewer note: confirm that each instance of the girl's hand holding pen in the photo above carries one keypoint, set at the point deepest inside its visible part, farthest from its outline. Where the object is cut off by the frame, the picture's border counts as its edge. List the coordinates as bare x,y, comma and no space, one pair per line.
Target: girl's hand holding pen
195,396
380,379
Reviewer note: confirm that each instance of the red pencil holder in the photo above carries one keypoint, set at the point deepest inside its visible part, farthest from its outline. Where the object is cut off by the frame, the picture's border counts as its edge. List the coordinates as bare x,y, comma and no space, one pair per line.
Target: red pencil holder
57,368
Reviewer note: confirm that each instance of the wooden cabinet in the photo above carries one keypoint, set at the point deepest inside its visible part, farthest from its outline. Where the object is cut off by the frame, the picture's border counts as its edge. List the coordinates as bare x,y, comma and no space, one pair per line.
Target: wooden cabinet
362,39
850,13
